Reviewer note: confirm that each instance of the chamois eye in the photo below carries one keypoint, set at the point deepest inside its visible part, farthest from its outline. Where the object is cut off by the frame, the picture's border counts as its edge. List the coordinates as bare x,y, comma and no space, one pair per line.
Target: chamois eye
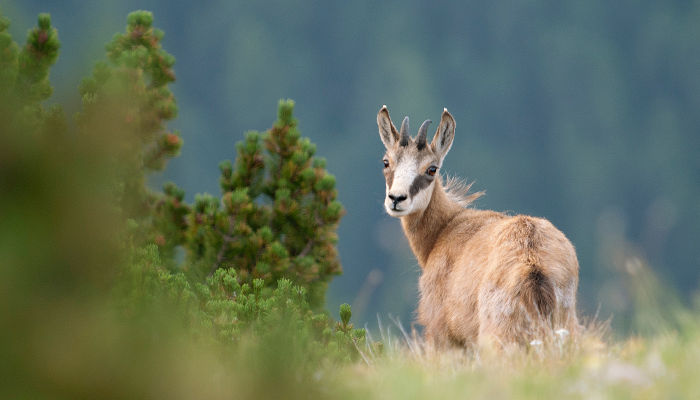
386,163
431,170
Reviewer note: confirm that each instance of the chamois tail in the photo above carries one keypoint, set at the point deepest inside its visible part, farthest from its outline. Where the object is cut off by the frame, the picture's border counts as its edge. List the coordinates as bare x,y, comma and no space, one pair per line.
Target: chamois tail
537,293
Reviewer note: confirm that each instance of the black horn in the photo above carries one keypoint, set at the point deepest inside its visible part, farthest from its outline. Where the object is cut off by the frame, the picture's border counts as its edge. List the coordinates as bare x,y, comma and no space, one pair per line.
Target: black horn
421,139
404,133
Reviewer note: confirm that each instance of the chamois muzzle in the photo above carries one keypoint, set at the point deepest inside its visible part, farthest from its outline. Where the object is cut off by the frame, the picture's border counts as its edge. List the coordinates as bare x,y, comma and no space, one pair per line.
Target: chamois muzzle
397,199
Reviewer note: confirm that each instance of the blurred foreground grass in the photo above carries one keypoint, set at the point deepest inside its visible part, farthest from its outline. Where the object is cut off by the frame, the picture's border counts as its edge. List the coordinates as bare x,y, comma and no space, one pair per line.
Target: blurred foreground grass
86,314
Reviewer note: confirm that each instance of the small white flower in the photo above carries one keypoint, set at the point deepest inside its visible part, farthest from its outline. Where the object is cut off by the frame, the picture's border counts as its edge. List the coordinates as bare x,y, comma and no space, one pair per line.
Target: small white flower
536,342
318,375
562,333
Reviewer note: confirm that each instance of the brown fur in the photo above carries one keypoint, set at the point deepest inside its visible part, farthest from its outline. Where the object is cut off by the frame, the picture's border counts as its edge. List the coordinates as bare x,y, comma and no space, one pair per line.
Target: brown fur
487,277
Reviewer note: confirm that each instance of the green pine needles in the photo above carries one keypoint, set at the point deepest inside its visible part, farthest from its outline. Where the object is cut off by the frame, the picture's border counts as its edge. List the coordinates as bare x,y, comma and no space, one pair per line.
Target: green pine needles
24,74
222,309
276,219
127,103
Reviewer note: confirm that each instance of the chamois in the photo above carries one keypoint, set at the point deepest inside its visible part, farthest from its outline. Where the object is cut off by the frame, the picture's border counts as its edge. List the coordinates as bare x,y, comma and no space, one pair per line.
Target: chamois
488,278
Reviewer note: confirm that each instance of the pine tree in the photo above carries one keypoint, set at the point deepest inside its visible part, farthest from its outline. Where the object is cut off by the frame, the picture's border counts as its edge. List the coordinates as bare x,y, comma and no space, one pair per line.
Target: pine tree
24,74
127,102
277,216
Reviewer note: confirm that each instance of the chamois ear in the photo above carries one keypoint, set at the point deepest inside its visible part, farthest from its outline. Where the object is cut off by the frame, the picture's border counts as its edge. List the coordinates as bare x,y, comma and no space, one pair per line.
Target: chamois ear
387,130
445,134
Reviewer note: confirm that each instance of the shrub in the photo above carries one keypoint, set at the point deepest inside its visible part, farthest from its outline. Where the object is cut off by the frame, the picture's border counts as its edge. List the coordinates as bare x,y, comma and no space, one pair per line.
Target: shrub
276,219
222,309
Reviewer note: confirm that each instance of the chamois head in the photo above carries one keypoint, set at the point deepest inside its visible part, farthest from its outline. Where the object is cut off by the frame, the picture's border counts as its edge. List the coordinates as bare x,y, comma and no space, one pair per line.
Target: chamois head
410,164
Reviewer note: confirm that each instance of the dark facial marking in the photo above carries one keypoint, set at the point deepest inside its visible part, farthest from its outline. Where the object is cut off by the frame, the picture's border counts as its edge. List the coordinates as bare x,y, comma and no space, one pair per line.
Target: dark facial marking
420,183
420,145
404,141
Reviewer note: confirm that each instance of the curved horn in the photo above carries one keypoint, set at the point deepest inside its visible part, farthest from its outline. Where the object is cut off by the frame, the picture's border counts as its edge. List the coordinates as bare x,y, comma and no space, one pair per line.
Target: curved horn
421,139
404,133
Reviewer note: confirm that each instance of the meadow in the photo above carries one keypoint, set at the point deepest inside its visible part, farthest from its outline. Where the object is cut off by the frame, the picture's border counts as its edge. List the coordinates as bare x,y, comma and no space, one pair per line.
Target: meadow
112,289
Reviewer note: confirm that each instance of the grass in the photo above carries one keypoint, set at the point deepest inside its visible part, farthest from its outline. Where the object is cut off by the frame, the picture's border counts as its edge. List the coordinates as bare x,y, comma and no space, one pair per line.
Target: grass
662,363
592,366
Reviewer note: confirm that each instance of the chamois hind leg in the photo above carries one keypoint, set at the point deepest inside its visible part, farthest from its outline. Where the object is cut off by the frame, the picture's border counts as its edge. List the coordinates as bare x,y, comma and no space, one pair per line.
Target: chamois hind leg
437,334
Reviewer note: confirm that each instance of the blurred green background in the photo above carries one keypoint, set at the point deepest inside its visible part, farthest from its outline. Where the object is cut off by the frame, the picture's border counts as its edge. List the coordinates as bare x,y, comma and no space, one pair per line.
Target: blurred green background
586,113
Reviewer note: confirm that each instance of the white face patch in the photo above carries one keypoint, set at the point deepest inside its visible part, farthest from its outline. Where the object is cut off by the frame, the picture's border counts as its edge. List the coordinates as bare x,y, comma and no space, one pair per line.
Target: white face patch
405,175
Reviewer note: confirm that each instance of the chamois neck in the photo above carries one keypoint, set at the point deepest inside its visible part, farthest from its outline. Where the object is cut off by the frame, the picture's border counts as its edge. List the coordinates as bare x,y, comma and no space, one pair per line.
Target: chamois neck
423,228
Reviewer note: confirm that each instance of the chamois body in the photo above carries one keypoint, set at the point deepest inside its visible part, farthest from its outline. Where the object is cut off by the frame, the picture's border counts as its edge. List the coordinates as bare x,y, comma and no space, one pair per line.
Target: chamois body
487,277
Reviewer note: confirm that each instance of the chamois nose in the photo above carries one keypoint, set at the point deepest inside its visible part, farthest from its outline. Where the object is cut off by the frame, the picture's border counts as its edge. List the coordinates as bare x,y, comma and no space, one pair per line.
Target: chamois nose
397,199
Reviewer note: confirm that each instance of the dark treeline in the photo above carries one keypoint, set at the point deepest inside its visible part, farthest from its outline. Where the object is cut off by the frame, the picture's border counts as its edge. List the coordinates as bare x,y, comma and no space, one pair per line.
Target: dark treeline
583,112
